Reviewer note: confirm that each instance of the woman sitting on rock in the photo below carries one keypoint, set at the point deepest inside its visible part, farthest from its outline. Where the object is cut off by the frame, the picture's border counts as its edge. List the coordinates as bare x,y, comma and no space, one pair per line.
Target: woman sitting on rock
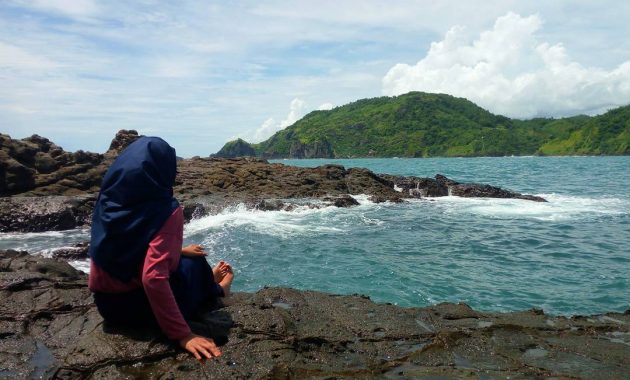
139,272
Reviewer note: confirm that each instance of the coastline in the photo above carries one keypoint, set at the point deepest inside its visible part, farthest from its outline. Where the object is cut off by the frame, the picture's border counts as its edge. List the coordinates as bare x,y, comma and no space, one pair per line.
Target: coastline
50,327
48,189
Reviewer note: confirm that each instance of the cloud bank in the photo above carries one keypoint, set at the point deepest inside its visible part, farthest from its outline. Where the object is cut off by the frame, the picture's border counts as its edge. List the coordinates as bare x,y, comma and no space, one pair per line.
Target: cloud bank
270,126
509,71
77,71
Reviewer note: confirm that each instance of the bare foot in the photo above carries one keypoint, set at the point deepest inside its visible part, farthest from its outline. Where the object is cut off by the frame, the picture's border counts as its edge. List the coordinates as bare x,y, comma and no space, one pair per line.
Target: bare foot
226,281
220,270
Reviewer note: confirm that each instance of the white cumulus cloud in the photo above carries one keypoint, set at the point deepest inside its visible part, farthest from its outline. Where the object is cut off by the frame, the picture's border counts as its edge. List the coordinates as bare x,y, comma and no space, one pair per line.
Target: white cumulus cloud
270,126
325,107
509,70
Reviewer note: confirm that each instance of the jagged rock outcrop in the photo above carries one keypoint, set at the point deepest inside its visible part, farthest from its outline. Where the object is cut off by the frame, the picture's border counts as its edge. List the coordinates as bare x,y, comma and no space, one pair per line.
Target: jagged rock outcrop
49,327
123,138
78,251
248,179
442,186
35,162
342,201
204,185
47,213
35,166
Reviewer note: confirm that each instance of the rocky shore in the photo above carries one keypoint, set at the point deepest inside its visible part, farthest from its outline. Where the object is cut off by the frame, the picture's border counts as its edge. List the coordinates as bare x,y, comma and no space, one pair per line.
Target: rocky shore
49,328
43,187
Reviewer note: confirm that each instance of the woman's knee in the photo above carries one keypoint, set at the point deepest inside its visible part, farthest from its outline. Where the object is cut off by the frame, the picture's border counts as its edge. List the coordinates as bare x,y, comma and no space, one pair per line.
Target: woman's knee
189,264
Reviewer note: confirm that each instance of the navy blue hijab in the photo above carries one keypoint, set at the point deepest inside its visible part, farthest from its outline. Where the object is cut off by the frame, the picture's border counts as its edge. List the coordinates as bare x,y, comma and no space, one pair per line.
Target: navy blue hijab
135,200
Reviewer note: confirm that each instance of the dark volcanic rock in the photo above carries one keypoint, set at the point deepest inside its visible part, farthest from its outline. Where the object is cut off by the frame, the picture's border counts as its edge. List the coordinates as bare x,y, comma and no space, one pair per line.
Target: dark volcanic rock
32,163
417,187
49,327
49,213
342,201
486,191
77,252
193,210
379,199
123,138
36,167
274,205
442,186
249,179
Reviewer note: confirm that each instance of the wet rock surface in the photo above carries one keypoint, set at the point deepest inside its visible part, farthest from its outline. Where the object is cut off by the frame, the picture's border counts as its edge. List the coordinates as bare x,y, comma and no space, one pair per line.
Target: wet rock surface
78,251
440,186
46,213
250,179
342,201
49,327
51,189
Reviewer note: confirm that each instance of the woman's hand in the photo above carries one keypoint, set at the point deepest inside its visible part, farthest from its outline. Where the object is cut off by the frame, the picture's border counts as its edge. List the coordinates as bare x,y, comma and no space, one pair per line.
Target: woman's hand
202,348
193,250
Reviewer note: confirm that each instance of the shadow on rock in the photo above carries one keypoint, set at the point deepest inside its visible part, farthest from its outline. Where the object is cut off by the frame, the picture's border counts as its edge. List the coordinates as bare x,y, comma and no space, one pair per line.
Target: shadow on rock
215,324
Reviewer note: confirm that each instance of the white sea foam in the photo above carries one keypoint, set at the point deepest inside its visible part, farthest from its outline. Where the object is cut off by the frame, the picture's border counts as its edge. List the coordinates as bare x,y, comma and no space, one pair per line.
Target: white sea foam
43,235
363,199
48,252
280,223
82,265
559,207
42,242
302,220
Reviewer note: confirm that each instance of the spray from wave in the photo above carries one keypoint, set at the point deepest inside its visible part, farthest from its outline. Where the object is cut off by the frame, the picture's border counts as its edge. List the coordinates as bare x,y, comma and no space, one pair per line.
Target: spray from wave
558,208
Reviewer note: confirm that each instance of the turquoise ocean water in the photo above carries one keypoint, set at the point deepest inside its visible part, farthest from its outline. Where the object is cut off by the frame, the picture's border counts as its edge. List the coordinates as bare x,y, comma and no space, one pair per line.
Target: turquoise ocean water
568,256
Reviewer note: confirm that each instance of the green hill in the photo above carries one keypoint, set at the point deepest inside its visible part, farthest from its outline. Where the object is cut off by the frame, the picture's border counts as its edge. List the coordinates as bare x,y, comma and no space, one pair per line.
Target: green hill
427,125
236,148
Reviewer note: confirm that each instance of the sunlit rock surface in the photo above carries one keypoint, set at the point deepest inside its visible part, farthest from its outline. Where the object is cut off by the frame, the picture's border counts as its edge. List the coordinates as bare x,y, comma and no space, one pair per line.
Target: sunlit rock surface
60,194
49,327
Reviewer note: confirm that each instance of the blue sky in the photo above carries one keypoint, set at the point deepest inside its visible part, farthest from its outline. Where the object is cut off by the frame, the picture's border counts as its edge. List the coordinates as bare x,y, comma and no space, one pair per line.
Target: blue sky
201,73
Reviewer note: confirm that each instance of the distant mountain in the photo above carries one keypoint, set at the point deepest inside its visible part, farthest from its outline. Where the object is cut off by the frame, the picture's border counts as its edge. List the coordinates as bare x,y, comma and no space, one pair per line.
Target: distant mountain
421,124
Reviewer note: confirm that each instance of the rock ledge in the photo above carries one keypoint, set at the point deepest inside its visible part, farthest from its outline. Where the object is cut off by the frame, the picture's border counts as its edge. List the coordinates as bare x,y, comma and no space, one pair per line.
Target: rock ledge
49,327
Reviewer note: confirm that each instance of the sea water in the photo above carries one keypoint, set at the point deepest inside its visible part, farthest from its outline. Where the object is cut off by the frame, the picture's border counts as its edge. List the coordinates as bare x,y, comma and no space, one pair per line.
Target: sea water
568,256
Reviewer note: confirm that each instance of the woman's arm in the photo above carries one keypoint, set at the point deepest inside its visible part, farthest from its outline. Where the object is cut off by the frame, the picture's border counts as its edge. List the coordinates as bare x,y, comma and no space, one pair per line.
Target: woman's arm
162,258
155,276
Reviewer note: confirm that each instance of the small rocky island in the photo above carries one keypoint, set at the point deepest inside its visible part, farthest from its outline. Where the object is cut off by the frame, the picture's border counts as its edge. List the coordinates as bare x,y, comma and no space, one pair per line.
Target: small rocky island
49,327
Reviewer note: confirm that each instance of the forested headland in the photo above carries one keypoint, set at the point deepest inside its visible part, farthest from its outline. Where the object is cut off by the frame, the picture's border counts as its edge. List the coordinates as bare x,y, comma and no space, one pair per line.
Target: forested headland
421,124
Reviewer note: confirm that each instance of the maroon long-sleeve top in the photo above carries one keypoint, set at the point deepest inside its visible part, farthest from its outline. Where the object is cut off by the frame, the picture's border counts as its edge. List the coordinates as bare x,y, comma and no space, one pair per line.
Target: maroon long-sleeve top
161,260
